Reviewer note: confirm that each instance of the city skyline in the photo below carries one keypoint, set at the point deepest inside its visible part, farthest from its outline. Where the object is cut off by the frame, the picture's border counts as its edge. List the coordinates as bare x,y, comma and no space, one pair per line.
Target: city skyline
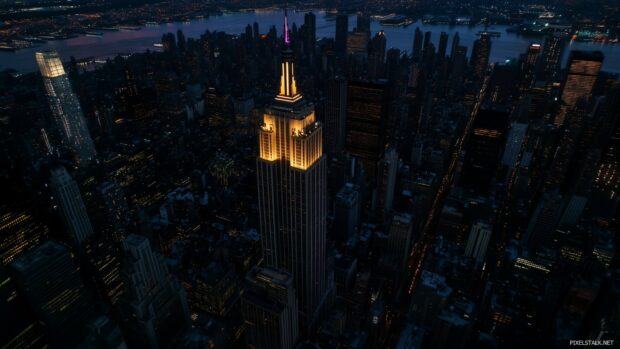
350,175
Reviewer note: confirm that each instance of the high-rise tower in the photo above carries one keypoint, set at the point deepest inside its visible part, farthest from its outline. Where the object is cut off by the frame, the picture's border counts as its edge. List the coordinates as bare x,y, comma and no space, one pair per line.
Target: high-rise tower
551,57
529,66
583,69
399,240
154,306
310,35
367,118
456,40
443,46
291,173
71,206
269,308
363,23
342,29
480,55
50,282
65,106
335,114
484,149
478,241
376,56
416,51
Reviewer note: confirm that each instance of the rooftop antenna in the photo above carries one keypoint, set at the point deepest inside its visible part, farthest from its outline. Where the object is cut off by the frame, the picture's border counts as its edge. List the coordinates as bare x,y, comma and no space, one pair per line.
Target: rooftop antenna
287,38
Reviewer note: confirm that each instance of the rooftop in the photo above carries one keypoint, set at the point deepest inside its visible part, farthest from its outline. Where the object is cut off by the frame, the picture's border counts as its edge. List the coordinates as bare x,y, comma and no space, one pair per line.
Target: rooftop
38,255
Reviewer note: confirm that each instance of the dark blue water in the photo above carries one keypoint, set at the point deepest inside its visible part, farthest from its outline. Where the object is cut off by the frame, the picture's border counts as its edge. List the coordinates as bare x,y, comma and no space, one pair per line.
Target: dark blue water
508,46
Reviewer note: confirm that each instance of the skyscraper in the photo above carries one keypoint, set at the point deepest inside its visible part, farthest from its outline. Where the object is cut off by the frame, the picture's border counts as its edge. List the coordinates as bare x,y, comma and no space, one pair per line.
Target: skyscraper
256,31
392,67
583,69
529,66
357,44
443,64
218,108
607,178
484,149
346,212
310,27
480,55
367,118
427,39
456,40
104,333
457,70
451,331
363,24
386,183
357,54
335,114
65,107
426,67
376,56
514,143
416,51
291,174
543,220
399,240
50,282
104,263
443,46
601,183
551,57
269,308
559,171
342,30
478,241
113,208
153,307
429,298
71,207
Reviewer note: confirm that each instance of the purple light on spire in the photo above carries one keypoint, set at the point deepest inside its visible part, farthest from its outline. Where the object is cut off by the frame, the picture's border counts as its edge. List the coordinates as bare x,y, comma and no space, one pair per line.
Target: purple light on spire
287,38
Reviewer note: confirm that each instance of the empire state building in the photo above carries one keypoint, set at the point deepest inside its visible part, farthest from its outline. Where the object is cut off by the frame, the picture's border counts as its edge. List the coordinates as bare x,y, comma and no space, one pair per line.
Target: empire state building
291,174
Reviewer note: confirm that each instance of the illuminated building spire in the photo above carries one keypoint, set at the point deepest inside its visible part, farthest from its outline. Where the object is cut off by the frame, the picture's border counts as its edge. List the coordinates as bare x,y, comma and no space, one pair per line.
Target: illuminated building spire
288,86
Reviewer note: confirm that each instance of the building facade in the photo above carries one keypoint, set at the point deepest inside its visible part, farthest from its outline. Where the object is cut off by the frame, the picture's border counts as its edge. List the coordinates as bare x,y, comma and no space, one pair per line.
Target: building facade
291,170
65,107
50,282
71,206
154,306
583,69
269,308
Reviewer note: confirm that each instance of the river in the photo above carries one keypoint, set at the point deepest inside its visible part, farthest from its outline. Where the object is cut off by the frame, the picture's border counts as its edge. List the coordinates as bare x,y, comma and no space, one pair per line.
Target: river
111,43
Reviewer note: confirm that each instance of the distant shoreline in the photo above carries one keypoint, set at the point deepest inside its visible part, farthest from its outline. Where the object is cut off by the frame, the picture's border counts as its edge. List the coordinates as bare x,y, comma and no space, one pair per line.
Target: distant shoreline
111,43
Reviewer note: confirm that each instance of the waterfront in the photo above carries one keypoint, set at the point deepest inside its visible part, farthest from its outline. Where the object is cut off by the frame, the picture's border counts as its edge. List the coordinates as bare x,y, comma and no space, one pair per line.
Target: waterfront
111,43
